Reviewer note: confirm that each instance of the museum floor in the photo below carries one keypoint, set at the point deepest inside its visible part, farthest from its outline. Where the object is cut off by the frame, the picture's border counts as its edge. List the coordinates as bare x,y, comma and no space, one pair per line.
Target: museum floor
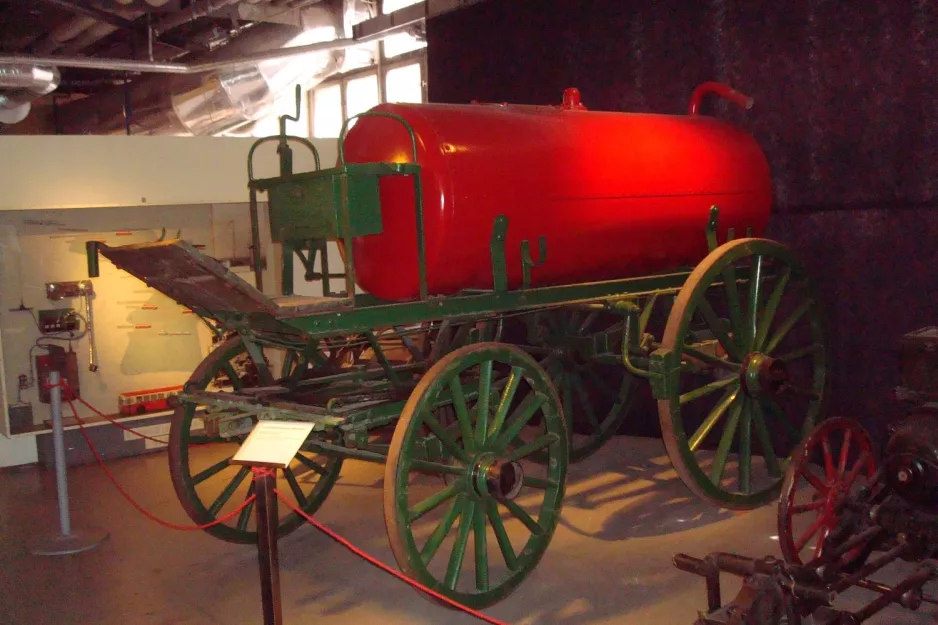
625,515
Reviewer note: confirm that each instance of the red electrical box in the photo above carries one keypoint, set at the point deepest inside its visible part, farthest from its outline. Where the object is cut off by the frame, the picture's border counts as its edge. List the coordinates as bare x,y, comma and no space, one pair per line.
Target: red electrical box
66,363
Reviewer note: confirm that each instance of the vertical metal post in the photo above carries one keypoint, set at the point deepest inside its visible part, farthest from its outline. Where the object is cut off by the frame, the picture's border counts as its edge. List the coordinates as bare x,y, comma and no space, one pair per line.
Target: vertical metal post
68,540
267,556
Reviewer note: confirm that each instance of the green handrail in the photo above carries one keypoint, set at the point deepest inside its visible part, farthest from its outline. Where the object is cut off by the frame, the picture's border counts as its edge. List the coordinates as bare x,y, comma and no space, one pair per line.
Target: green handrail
345,129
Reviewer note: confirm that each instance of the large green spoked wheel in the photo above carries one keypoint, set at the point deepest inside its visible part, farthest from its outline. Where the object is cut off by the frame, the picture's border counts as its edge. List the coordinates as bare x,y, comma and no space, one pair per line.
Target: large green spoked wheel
595,396
206,484
508,505
742,359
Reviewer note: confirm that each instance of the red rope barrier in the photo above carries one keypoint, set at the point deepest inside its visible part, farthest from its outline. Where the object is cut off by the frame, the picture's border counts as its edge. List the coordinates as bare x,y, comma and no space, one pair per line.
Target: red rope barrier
141,509
263,471
384,567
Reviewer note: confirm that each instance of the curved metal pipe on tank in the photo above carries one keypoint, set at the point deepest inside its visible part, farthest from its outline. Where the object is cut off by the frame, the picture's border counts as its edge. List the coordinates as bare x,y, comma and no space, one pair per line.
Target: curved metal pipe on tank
717,88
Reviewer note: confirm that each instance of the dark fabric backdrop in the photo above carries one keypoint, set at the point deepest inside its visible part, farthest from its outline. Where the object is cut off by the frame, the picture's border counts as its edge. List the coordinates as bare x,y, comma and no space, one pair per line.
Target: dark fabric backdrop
846,109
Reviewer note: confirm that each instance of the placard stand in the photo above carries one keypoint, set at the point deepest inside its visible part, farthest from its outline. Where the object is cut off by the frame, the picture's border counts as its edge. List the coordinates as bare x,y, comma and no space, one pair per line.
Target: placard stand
270,446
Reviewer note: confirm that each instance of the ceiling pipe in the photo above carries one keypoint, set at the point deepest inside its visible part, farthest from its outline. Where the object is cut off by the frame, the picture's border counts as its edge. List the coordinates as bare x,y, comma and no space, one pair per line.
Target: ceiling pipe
195,10
92,13
124,65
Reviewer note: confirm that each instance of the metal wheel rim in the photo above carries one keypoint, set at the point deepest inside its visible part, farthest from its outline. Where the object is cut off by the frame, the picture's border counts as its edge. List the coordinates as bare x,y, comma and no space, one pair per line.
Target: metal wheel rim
787,508
397,472
179,440
672,428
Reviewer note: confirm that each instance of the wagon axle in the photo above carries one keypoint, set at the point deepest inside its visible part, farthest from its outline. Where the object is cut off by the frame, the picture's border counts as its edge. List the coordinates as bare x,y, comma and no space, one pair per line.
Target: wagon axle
499,479
763,374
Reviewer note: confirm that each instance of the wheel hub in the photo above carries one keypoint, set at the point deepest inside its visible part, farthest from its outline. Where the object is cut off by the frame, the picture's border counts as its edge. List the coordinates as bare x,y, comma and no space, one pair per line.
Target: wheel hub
498,479
763,375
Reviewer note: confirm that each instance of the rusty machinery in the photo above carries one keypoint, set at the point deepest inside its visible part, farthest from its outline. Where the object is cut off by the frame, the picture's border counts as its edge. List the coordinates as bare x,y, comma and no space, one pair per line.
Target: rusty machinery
846,512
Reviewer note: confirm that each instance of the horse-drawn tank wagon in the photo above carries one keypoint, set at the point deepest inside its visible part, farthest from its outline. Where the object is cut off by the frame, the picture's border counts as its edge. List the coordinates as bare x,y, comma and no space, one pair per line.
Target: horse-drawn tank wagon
511,275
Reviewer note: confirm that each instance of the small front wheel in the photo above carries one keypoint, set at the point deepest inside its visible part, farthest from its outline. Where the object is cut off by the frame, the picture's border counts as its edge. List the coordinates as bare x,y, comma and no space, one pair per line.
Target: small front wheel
506,412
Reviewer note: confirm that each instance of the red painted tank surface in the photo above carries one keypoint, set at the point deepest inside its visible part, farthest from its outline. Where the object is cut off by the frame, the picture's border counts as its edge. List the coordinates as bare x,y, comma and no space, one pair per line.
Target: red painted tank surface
615,194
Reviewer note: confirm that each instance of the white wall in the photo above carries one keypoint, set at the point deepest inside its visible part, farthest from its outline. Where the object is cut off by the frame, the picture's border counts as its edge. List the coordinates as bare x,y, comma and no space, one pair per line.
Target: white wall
57,192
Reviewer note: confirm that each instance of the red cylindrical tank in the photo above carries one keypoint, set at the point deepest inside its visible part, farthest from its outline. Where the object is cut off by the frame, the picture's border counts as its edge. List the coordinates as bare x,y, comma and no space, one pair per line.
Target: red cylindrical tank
615,194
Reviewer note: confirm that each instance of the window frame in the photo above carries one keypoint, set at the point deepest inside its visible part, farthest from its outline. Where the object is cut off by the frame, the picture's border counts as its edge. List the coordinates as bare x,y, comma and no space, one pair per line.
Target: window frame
380,68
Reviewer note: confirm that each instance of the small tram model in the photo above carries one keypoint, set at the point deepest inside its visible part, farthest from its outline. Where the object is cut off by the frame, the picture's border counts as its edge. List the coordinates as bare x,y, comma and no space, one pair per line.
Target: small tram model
512,275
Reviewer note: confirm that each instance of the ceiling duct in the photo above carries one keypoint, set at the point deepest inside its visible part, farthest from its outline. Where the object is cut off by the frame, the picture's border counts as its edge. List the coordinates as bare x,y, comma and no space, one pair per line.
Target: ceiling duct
217,101
20,85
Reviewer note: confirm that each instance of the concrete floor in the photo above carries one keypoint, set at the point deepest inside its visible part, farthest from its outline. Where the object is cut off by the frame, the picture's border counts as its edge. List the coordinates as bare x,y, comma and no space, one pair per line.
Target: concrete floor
625,516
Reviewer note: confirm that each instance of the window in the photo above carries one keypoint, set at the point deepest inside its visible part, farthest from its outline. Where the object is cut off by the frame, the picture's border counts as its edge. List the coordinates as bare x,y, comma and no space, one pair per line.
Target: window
327,111
394,71
404,84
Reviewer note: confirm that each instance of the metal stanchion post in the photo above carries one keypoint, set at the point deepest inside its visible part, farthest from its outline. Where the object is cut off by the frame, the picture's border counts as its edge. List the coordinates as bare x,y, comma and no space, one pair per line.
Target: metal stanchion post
267,557
68,540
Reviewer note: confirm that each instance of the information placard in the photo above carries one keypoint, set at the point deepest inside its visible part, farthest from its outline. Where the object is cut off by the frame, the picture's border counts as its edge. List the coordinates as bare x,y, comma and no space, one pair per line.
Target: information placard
273,443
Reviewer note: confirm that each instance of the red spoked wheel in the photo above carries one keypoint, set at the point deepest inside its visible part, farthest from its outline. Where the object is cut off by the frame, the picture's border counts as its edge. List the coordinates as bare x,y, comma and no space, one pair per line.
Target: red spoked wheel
834,461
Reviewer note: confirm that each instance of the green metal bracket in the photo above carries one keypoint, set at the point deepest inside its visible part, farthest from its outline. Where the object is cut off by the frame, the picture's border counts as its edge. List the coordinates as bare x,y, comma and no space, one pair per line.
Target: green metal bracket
527,264
664,372
497,245
712,223
162,236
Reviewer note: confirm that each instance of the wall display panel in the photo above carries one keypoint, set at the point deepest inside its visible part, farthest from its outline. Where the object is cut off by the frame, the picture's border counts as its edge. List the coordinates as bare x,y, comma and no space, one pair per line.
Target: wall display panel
143,340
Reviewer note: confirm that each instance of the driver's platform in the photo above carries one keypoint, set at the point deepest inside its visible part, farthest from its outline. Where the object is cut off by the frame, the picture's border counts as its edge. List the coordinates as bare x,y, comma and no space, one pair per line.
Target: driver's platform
178,270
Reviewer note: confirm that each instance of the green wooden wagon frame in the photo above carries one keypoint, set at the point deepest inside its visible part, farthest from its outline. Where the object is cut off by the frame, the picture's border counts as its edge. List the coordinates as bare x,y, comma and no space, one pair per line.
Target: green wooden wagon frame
476,402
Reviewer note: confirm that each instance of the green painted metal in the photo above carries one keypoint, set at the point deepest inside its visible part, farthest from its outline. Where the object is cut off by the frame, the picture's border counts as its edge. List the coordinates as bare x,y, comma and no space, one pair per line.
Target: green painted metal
482,450
753,389
190,441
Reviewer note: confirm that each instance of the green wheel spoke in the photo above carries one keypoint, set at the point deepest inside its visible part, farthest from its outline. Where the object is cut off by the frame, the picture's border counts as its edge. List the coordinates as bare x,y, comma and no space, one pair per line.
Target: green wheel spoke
801,352
787,326
520,418
501,536
715,414
711,359
215,469
519,513
233,376
706,389
755,291
771,307
765,441
567,399
310,464
505,402
481,548
288,362
462,413
445,438
434,501
717,328
723,449
734,308
587,322
229,490
244,517
534,446
776,412
442,529
585,403
436,467
482,406
295,487
536,482
745,448
459,548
